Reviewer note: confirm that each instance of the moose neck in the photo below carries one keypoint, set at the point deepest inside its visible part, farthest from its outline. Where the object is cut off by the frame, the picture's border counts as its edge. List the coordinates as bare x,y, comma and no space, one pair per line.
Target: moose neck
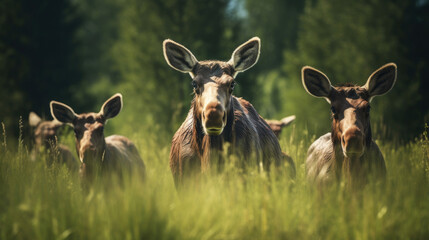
209,147
92,164
349,168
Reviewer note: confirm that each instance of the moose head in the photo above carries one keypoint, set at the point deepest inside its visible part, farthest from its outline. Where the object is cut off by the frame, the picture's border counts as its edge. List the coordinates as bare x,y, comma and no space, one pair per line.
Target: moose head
213,81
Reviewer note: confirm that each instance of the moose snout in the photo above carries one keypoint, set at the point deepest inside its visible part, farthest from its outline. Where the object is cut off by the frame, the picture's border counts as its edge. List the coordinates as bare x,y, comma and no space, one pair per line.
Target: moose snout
352,142
214,118
87,150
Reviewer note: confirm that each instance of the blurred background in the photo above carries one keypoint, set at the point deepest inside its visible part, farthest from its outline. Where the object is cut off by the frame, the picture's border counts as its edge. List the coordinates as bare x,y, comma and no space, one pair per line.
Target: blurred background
81,52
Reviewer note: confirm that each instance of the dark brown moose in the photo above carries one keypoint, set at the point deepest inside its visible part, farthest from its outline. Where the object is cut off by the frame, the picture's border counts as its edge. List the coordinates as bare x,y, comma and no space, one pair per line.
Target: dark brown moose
347,152
46,141
96,153
216,116
278,125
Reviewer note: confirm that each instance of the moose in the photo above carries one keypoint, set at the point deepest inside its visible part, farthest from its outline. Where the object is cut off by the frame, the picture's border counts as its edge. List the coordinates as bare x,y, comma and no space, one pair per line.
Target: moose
97,153
46,141
217,117
348,152
278,125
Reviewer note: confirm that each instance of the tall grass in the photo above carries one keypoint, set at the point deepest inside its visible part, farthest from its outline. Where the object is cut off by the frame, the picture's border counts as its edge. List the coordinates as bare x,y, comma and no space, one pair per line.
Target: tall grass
40,202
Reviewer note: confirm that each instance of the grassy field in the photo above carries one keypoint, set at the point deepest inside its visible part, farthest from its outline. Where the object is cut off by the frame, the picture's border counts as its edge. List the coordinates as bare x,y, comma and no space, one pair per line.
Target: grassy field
37,202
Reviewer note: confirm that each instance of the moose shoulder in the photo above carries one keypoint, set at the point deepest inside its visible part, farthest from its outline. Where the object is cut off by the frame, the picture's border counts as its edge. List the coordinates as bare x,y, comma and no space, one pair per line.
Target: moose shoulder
216,116
114,153
348,151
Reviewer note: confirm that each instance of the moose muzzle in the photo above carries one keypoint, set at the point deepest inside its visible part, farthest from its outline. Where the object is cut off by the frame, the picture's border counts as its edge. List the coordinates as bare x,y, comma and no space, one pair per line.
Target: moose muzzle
352,142
213,118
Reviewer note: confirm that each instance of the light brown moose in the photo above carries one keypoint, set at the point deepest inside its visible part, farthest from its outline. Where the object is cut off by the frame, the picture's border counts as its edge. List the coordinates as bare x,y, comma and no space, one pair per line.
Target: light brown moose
278,125
348,151
96,153
46,141
216,116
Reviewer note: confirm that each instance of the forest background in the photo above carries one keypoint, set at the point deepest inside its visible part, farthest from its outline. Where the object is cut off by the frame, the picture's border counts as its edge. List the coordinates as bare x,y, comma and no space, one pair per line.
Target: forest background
81,52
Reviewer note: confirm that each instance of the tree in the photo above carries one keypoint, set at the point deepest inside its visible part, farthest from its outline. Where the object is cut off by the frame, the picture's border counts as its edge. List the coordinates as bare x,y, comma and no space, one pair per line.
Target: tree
132,62
348,40
276,23
37,62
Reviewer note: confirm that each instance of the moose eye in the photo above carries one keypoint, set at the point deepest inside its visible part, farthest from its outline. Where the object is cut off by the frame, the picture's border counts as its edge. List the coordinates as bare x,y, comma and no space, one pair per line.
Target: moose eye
232,85
333,110
194,84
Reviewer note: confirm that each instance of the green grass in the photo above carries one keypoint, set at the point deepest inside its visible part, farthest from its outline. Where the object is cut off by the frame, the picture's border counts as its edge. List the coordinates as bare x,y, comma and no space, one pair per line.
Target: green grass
37,202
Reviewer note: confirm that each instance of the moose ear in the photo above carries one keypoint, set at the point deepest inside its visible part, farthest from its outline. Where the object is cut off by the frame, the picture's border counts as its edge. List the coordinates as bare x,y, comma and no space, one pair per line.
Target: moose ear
381,81
62,113
246,55
316,83
178,56
34,119
112,106
287,120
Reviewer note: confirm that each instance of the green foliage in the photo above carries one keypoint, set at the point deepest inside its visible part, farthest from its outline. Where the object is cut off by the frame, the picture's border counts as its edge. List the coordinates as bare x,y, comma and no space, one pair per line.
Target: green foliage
348,40
155,96
276,23
37,60
40,202
82,52
424,144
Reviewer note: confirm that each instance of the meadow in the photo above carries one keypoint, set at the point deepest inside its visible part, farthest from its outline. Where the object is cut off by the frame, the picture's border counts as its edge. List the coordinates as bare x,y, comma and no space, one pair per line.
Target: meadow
81,52
40,202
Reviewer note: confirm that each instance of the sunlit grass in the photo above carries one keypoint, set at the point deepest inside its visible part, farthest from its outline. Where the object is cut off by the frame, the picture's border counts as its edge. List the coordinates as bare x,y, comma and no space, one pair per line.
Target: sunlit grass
39,202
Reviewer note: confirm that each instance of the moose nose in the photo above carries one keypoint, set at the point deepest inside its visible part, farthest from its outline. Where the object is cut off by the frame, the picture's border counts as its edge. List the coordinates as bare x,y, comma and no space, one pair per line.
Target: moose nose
87,150
214,118
352,142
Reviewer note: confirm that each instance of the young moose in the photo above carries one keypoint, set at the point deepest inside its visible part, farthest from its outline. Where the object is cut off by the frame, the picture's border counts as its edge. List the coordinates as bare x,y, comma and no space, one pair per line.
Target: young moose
277,126
45,140
216,116
114,153
348,151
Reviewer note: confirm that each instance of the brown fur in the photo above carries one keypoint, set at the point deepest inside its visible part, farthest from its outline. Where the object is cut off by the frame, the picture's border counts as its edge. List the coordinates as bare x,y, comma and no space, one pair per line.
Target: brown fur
326,161
46,141
114,153
277,126
348,152
248,135
97,153
218,119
